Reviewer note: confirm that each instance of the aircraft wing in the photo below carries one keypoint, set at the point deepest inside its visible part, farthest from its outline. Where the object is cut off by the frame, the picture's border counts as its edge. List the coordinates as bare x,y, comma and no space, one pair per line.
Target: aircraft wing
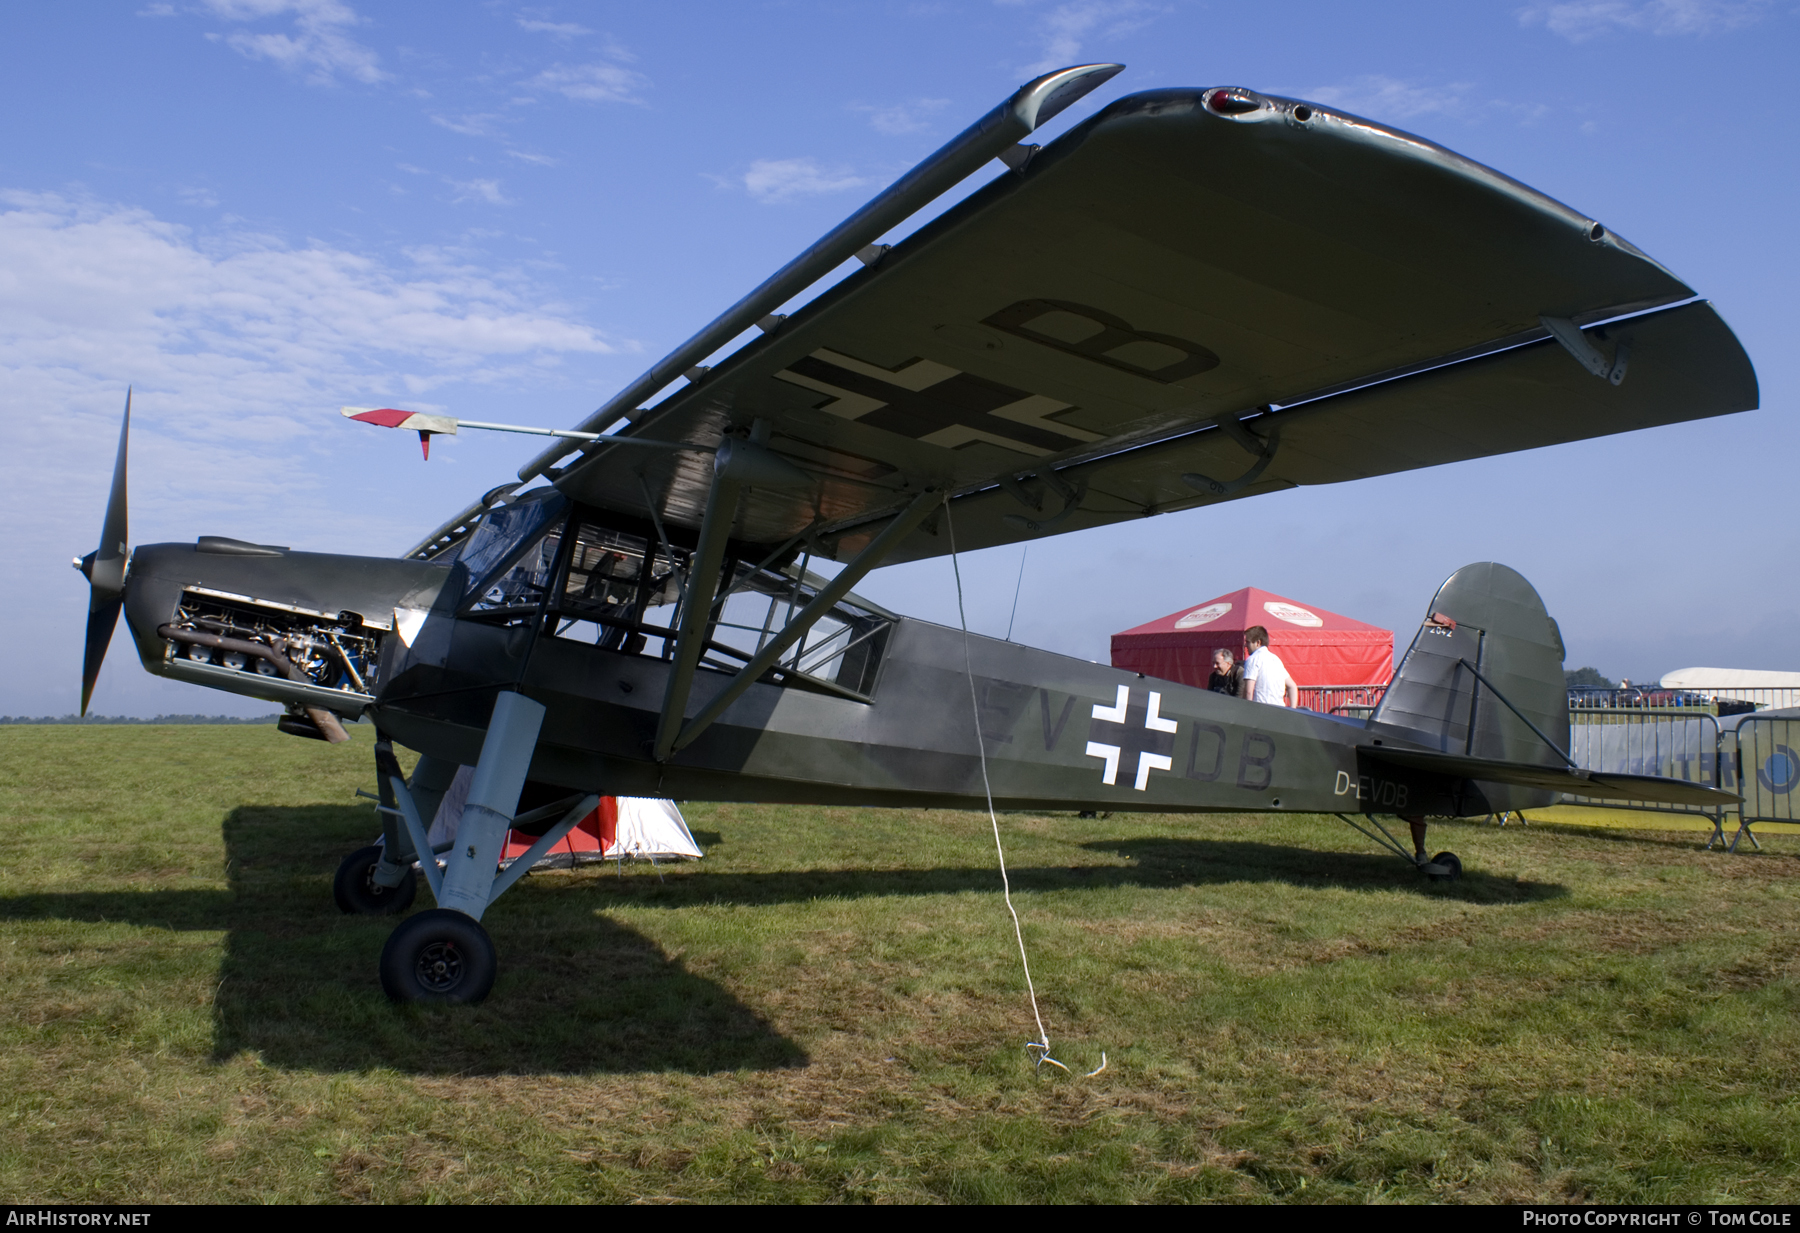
1602,785
1194,296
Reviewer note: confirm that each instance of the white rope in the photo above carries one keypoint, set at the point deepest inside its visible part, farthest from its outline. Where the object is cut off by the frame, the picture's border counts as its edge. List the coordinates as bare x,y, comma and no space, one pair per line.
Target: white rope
1042,1043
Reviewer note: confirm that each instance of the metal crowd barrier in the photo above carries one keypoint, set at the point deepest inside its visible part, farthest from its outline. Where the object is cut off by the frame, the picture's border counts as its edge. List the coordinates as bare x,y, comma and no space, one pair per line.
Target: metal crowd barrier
1338,699
1768,772
1674,742
1622,697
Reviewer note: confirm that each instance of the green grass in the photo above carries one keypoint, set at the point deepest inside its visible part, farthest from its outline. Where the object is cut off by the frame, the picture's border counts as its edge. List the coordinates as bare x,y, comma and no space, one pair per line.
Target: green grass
830,1007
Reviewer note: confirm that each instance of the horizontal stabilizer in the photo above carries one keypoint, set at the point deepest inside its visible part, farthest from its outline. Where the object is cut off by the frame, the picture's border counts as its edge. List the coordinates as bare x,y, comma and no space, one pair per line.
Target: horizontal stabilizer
1602,785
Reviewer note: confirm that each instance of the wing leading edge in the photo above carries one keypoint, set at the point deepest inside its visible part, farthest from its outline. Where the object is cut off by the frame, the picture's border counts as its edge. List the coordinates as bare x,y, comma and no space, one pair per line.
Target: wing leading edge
1194,296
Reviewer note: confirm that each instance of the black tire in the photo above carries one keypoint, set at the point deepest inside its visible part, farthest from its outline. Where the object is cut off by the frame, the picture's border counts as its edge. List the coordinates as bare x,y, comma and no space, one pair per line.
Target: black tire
357,894
438,957
1449,861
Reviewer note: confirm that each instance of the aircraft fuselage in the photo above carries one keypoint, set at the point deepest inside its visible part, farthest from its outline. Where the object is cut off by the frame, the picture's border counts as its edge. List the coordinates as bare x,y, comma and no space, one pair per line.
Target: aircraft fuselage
1057,732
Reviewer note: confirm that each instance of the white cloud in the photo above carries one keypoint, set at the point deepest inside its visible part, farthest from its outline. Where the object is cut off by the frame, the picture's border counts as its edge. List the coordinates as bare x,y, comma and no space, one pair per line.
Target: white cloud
1065,29
248,340
319,48
541,160
903,118
1390,100
469,126
592,83
487,190
480,190
1580,20
773,180
562,30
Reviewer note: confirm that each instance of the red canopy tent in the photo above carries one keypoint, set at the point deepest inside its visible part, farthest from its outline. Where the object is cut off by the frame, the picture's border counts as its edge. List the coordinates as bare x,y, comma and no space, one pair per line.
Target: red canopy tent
1320,648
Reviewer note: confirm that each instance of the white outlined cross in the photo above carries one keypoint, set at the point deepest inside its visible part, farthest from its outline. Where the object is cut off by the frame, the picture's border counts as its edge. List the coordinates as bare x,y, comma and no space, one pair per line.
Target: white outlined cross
1150,755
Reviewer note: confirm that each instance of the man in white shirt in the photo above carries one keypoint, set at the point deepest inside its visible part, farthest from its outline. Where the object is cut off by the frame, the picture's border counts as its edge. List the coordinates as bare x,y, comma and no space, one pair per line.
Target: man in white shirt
1266,678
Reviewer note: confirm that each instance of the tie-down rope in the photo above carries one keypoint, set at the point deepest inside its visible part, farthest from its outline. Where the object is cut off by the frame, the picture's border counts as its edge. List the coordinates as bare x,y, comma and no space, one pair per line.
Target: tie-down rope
1042,1043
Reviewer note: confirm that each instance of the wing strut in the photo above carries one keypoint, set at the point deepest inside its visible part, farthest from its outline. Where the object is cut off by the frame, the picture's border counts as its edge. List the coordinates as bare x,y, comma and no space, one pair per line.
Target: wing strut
671,734
696,608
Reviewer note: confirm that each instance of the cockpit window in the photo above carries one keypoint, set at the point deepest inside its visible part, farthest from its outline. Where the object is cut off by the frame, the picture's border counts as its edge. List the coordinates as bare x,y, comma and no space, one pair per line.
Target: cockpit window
616,585
505,532
613,578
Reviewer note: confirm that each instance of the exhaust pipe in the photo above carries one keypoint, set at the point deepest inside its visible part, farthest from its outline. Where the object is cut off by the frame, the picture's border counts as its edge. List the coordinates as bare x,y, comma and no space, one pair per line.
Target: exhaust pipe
324,720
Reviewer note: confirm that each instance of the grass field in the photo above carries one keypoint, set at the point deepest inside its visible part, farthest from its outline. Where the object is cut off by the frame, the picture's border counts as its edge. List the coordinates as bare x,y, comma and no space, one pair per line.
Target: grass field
829,1007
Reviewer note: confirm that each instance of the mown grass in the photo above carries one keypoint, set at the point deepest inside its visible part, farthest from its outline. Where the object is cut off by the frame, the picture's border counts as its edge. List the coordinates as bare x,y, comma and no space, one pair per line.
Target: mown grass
830,1007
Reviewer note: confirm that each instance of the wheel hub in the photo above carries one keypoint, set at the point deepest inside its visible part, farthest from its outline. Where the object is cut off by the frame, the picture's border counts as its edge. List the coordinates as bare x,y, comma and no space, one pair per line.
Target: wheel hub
440,967
376,889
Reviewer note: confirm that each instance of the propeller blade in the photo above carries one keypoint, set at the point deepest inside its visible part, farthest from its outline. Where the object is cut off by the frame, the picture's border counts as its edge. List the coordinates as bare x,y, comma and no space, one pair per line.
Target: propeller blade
105,570
109,558
103,615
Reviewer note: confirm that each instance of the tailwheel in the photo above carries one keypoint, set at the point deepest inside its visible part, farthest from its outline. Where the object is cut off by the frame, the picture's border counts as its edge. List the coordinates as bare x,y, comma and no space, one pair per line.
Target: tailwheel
357,892
1450,866
440,957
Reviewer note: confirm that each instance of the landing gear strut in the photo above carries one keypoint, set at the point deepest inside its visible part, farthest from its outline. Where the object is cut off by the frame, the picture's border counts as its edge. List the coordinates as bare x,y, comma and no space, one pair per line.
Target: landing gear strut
443,955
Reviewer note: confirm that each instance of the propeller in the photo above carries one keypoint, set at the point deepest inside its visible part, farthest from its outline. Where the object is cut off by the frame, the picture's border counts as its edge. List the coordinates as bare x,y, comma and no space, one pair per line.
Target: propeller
105,571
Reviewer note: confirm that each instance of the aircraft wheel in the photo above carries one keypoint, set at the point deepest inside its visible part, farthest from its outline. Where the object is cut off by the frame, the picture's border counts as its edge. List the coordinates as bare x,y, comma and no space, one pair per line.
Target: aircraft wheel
1449,861
440,957
356,892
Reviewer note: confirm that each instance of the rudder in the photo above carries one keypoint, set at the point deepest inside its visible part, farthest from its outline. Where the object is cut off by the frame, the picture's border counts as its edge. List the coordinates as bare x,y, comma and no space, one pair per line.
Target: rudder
1503,632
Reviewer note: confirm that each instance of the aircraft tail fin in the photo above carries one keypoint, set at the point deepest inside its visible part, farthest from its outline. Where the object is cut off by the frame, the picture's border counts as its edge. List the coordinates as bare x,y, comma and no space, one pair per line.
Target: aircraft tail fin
1484,675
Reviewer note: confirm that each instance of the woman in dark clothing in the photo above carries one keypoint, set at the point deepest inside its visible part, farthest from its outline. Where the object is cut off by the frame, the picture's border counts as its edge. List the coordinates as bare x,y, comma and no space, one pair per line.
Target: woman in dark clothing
1227,677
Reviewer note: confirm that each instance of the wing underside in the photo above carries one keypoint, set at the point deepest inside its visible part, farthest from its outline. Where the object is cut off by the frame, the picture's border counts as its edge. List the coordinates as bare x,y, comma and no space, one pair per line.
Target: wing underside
1172,306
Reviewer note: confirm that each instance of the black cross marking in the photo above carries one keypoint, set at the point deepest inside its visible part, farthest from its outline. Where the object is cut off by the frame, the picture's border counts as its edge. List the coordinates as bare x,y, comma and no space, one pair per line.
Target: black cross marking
962,400
1127,742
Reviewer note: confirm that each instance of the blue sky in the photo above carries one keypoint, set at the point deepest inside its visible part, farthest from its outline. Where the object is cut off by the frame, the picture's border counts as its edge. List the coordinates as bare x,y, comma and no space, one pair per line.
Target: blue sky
258,210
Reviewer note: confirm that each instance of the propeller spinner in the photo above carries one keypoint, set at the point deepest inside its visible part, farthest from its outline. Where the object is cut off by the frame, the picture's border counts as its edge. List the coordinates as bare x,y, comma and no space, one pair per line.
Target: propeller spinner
105,571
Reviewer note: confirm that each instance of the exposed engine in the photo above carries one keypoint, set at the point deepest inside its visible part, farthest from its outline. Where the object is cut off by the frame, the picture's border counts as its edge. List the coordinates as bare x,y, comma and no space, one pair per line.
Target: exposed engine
284,643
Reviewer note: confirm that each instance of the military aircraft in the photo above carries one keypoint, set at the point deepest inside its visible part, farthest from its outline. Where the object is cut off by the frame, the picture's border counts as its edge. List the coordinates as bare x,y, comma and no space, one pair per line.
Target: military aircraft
1196,295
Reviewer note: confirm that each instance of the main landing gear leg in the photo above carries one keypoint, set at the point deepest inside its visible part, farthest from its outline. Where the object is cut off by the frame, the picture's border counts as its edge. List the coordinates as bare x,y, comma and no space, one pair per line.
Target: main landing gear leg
443,955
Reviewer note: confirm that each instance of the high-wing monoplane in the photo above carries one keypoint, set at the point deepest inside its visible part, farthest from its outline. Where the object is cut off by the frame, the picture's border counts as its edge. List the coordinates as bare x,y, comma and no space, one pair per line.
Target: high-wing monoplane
1194,296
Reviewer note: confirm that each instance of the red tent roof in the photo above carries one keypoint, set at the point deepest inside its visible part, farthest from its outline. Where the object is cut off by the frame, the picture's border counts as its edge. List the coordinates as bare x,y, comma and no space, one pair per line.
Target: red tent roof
1318,647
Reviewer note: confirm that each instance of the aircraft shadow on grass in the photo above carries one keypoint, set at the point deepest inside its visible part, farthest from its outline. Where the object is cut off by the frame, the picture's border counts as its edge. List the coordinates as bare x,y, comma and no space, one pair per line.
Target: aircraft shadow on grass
582,993
579,993
1157,864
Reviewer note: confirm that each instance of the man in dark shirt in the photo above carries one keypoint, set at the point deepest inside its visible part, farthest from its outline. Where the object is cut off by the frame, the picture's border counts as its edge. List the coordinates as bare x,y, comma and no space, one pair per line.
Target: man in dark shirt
1227,677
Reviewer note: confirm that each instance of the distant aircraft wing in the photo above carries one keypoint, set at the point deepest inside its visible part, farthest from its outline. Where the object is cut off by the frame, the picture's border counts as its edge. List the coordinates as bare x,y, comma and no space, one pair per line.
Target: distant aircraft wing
1603,785
1194,296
